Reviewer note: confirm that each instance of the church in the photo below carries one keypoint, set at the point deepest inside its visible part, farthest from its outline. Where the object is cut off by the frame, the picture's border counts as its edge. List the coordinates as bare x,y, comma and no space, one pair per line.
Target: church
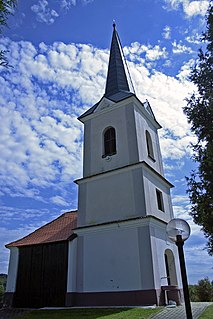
114,250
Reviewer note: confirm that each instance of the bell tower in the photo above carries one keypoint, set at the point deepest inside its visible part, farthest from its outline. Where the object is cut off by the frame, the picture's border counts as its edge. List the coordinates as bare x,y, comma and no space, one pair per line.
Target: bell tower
122,253
123,172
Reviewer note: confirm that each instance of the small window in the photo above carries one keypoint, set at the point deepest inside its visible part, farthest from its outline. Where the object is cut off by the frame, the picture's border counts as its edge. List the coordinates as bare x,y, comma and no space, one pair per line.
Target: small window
109,142
160,200
149,146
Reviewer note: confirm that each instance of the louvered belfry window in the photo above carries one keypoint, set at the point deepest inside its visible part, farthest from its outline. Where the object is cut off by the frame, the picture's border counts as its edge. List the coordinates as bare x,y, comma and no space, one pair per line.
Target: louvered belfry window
109,142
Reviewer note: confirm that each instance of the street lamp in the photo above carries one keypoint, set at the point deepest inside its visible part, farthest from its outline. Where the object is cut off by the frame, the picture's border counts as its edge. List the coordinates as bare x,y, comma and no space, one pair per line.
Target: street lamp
178,231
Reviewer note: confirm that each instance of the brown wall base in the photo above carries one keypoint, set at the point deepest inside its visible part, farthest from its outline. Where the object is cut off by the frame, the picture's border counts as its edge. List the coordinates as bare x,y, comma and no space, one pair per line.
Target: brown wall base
8,299
122,298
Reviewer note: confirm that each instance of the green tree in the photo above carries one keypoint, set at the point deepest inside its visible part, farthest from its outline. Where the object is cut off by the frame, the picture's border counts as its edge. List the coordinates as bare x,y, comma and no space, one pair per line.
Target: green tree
1,292
199,112
205,290
6,7
193,293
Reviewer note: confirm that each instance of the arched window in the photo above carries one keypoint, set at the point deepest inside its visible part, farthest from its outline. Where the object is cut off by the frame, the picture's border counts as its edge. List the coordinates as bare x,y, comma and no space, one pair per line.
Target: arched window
149,146
109,142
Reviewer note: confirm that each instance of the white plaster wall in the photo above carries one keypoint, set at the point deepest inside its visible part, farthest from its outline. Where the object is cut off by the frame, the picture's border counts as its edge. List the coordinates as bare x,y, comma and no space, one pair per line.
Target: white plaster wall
12,270
72,266
111,261
119,195
122,119
159,244
151,182
143,125
123,256
123,194
130,125
153,243
146,258
110,198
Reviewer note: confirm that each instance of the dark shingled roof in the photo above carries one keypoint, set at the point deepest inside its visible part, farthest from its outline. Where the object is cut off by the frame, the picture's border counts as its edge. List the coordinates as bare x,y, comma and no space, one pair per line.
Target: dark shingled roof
119,96
59,229
117,84
116,77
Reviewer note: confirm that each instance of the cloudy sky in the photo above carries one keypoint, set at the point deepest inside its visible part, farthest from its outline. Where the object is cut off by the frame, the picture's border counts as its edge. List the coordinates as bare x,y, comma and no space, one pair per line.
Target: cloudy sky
59,53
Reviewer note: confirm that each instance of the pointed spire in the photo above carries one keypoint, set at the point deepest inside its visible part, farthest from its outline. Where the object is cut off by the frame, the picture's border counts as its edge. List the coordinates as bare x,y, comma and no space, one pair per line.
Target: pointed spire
116,78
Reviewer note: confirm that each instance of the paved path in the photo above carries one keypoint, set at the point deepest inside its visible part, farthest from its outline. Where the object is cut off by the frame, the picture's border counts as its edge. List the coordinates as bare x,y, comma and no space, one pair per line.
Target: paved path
167,313
179,312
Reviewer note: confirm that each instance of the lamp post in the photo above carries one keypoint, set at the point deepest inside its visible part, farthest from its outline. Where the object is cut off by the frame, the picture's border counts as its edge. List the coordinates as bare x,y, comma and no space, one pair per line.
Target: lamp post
178,231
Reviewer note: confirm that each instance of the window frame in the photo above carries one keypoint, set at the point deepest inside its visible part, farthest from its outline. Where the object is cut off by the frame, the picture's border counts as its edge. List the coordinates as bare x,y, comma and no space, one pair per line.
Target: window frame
109,142
149,145
160,203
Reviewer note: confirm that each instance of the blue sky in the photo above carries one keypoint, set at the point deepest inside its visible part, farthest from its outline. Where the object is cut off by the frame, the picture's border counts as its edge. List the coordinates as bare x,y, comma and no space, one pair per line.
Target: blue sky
59,51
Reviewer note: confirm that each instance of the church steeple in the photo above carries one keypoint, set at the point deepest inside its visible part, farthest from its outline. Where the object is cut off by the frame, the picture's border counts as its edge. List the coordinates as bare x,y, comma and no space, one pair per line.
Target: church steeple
117,77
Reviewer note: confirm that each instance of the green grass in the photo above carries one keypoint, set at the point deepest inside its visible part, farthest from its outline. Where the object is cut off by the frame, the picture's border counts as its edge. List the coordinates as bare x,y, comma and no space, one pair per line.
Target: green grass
118,313
208,313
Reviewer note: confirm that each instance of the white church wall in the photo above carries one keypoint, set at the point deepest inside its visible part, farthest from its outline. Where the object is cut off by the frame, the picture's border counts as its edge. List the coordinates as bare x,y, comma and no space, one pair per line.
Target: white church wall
159,244
142,125
72,266
123,193
151,183
124,256
111,260
121,118
116,195
12,269
146,263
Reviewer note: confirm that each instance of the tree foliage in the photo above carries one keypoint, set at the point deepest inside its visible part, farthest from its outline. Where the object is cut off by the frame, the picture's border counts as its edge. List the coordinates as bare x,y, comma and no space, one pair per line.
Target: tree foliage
199,112
193,293
6,7
3,282
205,290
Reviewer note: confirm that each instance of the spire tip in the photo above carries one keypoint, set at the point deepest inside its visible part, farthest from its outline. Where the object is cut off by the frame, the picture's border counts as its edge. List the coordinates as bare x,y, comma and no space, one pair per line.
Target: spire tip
114,25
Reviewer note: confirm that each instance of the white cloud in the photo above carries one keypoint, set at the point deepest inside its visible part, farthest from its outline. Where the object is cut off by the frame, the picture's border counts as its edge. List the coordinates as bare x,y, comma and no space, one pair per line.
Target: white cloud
87,1
198,262
172,4
8,213
49,87
195,38
181,199
45,140
48,15
41,97
179,48
196,8
141,52
67,4
185,70
190,8
196,255
44,13
156,53
58,200
166,32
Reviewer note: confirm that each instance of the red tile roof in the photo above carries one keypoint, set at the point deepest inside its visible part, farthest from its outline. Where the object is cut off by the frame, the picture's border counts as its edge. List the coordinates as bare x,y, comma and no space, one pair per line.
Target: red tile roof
59,229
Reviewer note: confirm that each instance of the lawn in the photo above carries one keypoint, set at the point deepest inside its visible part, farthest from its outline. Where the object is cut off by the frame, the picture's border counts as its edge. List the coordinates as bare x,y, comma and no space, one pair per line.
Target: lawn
115,313
208,313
